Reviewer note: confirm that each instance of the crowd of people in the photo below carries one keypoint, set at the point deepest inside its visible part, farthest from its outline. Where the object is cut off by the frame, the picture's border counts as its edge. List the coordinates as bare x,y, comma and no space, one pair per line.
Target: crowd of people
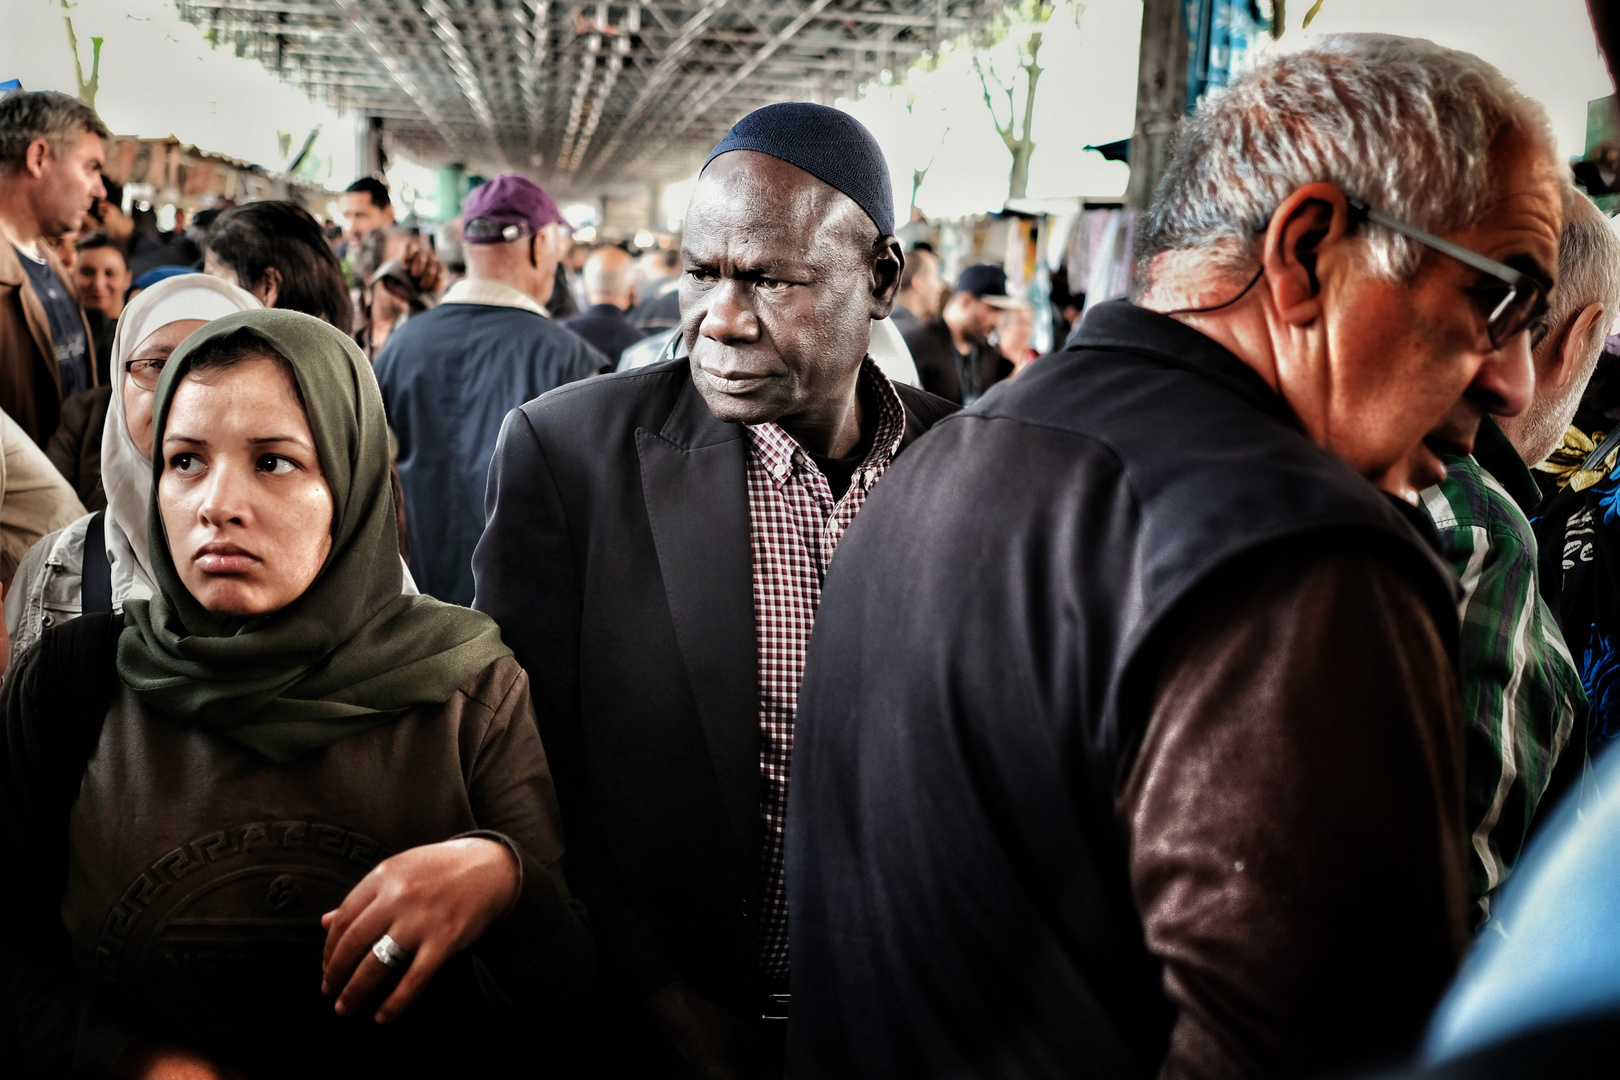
749,659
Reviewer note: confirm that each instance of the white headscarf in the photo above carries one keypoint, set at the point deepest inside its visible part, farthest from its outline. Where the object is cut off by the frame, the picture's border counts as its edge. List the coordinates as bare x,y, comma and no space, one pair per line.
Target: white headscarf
126,473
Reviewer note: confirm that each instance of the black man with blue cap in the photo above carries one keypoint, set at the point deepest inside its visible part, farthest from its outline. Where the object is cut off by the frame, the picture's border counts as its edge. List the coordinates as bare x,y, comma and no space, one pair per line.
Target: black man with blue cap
654,553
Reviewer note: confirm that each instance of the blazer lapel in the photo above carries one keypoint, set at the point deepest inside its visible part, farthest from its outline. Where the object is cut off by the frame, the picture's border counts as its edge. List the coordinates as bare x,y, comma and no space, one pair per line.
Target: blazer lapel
694,477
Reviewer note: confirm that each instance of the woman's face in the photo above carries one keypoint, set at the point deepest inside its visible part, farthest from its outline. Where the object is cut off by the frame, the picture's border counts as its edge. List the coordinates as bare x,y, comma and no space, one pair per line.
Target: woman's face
103,277
246,508
144,365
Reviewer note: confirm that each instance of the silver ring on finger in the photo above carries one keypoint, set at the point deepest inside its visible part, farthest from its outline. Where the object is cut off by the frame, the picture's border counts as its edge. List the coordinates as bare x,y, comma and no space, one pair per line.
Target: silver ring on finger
390,955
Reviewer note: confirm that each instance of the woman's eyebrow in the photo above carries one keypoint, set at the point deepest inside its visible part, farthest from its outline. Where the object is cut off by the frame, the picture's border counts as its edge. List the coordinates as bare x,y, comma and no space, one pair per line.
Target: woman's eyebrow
189,440
260,441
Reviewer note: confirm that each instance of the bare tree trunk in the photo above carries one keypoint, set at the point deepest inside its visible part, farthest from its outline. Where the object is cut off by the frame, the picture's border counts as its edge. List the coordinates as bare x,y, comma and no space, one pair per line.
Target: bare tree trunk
1161,98
87,90
1024,146
1018,178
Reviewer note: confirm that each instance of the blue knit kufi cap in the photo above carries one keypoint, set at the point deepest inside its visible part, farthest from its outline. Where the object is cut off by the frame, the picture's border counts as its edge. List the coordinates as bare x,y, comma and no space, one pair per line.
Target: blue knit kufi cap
828,144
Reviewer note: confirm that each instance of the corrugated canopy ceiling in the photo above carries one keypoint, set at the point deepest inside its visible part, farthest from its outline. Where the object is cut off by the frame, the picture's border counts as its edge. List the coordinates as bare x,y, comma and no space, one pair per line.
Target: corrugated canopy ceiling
583,95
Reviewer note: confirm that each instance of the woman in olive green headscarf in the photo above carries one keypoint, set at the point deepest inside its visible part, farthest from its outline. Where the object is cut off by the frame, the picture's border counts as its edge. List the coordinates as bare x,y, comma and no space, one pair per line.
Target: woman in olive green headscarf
279,781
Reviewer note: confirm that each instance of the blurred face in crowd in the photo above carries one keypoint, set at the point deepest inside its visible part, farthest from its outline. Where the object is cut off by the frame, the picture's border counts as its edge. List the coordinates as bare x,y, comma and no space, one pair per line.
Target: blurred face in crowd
1013,333
1572,338
783,278
245,504
386,305
362,214
922,296
63,247
103,277
142,368
972,317
61,188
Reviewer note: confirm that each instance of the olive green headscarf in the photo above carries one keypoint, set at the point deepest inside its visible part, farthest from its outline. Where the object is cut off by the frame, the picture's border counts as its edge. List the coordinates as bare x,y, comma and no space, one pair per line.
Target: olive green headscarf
348,652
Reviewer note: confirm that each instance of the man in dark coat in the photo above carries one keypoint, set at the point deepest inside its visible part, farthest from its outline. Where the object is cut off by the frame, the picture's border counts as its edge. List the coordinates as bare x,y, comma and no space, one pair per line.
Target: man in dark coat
953,352
610,287
1129,741
654,556
660,306
449,375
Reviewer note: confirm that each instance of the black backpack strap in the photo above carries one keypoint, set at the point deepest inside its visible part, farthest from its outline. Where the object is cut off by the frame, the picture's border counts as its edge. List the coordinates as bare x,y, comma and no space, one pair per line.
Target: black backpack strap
1594,460
95,578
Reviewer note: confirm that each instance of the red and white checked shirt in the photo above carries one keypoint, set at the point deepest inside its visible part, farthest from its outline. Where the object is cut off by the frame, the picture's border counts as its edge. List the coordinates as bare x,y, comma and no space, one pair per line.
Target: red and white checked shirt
794,526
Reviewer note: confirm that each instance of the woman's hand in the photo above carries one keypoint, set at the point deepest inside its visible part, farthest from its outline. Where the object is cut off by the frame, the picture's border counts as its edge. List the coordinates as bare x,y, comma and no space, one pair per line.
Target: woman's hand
425,269
433,900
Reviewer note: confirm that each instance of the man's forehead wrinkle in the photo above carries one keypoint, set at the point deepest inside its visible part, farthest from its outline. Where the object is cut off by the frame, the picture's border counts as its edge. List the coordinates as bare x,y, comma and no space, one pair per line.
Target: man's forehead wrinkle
748,219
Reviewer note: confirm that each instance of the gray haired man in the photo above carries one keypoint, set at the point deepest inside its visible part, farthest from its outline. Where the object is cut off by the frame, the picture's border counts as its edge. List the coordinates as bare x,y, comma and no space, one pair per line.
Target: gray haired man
1174,786
1524,711
51,149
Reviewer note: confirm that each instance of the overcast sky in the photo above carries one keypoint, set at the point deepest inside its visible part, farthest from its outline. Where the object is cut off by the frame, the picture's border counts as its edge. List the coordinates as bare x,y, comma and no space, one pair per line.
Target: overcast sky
159,77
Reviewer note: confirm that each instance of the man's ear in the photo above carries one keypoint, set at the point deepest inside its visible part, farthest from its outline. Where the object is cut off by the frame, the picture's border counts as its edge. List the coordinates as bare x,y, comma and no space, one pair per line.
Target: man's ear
1307,223
1571,352
887,264
37,158
268,290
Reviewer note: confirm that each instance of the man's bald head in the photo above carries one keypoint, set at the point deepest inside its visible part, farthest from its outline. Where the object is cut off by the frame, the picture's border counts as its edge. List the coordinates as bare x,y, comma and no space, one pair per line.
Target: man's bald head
610,277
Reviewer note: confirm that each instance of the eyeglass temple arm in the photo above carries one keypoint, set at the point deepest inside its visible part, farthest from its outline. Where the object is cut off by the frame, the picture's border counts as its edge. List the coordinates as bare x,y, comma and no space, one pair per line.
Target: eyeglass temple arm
1461,254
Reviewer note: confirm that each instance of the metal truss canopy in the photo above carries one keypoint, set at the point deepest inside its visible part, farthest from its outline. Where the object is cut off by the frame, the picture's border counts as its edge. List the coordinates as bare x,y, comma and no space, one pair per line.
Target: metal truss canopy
584,95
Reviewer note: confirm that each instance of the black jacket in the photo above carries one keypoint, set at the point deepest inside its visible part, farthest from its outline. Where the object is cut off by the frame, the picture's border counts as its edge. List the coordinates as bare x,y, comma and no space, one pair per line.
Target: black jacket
942,368
606,327
617,562
957,876
657,313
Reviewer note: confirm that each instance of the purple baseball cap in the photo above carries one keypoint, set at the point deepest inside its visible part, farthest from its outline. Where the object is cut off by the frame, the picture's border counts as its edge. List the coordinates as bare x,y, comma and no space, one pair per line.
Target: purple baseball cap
506,208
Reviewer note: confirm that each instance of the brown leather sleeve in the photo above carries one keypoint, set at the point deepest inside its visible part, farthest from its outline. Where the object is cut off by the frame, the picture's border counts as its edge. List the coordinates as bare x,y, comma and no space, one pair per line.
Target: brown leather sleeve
1295,819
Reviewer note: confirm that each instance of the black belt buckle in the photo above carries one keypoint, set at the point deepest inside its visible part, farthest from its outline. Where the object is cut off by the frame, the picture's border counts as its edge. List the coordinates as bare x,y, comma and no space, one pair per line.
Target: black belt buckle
775,1007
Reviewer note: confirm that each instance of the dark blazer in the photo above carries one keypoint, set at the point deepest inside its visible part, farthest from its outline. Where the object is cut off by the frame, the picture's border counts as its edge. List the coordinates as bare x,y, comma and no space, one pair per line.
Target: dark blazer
616,561
448,378
940,366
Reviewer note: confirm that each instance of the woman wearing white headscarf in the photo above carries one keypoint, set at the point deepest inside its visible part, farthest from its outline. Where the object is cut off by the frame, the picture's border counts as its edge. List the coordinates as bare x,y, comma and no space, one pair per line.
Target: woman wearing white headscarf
49,587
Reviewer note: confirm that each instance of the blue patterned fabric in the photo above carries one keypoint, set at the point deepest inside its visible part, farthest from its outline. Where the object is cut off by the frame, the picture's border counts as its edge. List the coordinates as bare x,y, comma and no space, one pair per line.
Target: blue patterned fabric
1579,532
1221,35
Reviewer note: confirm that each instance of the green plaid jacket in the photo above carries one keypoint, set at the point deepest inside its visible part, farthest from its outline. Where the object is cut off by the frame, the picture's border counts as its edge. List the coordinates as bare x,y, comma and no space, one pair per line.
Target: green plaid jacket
1522,696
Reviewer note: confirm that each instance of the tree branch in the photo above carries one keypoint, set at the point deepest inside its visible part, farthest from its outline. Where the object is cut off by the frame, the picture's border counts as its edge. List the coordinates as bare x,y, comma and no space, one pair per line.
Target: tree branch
1033,72
984,86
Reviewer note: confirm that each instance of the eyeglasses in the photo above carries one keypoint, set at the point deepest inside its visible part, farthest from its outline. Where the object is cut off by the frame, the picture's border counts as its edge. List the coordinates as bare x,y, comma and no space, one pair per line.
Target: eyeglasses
144,373
1507,314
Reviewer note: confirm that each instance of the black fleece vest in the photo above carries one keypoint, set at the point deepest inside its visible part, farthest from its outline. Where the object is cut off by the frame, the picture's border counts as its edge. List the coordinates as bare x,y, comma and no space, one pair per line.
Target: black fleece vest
956,870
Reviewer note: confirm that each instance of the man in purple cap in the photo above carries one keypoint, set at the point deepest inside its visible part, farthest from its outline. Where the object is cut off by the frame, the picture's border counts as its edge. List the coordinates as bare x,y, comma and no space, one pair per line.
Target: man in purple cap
450,375
654,557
